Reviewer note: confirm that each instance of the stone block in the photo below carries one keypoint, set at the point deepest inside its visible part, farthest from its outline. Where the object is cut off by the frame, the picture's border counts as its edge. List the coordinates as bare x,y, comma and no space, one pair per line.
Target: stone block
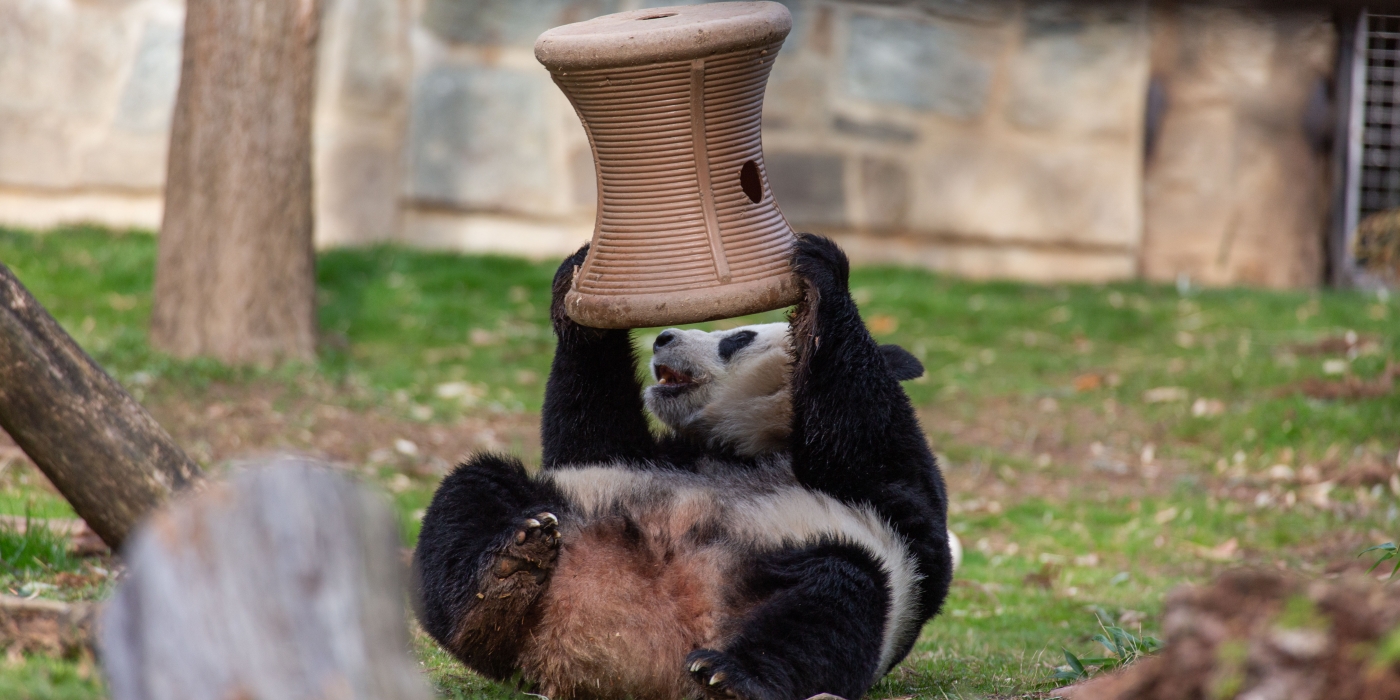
374,56
1036,192
61,71
357,183
1082,68
992,261
884,191
941,67
981,11
478,138
809,187
583,177
881,131
516,22
148,100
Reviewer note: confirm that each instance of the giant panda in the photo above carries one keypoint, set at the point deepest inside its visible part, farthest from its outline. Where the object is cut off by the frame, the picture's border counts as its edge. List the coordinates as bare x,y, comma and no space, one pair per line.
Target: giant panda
784,537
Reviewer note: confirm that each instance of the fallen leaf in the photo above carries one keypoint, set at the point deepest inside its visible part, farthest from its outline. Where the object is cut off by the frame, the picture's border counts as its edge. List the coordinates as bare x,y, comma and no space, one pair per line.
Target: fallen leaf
1165,394
1204,407
883,324
1225,551
1087,382
1044,579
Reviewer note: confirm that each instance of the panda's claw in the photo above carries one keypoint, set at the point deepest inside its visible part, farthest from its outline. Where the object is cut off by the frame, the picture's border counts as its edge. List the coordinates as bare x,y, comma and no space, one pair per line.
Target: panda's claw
548,518
532,523
716,683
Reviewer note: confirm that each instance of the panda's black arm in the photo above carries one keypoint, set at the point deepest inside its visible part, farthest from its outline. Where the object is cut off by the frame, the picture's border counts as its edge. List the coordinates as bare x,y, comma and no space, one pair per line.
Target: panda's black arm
855,435
593,408
854,429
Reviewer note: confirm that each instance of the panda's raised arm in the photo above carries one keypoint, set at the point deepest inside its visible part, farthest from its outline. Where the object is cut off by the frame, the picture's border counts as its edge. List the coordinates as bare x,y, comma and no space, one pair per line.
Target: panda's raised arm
592,402
853,425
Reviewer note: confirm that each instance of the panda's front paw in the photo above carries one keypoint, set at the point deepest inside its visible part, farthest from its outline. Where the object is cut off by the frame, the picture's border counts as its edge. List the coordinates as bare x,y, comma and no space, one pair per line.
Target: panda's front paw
563,282
821,263
720,678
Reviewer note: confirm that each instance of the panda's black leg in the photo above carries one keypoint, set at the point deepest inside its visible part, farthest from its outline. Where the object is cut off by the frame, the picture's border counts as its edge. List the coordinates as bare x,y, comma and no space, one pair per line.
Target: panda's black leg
816,627
593,409
488,543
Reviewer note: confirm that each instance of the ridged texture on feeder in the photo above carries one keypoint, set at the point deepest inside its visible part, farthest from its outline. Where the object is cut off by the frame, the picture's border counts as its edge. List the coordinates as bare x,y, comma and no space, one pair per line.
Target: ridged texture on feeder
672,100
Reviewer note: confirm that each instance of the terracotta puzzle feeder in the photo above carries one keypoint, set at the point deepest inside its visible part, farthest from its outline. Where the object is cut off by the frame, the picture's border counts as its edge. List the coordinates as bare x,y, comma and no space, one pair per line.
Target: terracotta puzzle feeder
672,100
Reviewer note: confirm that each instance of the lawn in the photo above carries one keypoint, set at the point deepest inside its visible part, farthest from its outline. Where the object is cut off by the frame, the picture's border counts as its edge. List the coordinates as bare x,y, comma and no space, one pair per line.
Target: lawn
1102,443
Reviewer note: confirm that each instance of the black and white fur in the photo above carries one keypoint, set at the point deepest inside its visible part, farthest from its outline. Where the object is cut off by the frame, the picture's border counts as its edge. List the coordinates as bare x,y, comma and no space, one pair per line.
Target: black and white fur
785,538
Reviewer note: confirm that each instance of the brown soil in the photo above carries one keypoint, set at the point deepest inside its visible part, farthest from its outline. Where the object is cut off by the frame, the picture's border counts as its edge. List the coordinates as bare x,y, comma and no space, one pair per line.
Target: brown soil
1264,635
227,422
1069,447
1349,388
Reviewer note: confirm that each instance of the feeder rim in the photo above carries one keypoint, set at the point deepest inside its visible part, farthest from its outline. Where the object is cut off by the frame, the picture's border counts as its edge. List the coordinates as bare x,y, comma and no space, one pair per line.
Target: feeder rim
662,35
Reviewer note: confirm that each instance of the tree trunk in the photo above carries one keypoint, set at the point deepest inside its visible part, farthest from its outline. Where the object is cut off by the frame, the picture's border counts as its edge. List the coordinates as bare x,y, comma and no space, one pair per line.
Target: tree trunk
284,583
235,275
103,452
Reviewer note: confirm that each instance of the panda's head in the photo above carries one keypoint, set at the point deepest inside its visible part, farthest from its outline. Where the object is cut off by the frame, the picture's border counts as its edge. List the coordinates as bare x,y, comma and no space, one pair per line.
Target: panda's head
731,388
725,388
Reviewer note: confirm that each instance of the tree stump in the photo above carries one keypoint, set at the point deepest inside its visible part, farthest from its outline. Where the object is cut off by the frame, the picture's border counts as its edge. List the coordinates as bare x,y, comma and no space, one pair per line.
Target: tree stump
284,582
98,446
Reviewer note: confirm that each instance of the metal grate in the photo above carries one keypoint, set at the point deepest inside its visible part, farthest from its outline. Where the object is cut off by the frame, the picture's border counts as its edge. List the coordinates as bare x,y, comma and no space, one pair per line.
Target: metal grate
1380,159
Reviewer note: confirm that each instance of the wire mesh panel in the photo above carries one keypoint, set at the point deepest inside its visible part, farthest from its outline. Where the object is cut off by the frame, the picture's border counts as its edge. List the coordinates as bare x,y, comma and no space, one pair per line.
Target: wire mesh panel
1380,159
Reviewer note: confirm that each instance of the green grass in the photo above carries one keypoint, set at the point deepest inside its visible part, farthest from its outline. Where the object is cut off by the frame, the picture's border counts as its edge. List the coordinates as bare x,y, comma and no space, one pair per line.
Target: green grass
37,677
435,336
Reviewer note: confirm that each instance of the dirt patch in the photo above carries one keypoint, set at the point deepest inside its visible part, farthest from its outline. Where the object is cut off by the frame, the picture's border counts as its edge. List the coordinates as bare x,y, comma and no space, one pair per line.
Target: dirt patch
46,626
229,422
1350,388
1107,448
1345,344
1265,635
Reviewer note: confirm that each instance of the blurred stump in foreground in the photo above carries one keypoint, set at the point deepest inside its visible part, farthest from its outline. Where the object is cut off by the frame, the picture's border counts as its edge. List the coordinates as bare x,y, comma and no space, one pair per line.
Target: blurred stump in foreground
284,582
98,446
1267,636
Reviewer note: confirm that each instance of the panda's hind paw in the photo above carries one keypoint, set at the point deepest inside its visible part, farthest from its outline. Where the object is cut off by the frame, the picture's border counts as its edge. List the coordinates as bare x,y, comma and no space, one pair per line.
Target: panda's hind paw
533,547
718,676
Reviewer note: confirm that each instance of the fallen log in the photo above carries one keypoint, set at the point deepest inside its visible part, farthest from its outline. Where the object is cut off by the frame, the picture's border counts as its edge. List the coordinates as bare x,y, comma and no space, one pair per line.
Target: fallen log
284,582
98,446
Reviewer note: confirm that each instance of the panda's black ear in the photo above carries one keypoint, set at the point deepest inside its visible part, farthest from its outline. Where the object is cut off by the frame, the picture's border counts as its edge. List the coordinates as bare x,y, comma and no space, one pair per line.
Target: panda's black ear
902,363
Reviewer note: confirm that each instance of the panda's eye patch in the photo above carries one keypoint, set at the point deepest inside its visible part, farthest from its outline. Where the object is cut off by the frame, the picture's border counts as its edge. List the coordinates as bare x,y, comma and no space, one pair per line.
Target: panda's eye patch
735,343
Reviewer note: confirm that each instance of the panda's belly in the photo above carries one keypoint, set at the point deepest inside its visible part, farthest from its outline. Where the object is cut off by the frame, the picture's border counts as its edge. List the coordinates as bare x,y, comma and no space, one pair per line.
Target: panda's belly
646,567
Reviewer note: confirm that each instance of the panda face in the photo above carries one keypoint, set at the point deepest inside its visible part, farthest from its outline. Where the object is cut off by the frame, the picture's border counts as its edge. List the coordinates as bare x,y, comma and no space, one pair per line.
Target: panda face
724,387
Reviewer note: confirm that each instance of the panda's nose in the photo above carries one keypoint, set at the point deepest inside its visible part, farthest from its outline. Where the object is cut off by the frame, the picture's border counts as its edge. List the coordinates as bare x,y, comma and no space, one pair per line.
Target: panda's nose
664,339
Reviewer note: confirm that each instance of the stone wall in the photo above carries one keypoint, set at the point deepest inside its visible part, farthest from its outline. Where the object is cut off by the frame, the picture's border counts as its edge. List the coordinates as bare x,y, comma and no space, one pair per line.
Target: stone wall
995,138
991,139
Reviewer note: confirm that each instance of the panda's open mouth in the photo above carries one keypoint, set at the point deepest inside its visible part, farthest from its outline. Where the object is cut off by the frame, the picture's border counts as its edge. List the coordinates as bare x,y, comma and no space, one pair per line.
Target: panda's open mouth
672,381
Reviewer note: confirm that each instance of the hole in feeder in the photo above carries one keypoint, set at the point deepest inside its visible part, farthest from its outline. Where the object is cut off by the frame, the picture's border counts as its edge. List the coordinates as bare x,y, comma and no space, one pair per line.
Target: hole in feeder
749,180
660,16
